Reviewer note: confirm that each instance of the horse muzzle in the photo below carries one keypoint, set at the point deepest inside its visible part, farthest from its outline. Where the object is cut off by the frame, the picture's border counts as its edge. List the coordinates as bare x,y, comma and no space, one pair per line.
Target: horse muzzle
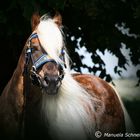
49,84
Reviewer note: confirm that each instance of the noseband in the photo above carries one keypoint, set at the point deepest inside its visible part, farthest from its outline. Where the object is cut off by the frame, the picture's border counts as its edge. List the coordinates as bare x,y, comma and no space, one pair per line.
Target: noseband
38,58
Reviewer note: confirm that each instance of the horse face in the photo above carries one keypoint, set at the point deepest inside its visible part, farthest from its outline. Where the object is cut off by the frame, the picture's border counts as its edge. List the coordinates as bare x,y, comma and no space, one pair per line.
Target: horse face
51,75
45,73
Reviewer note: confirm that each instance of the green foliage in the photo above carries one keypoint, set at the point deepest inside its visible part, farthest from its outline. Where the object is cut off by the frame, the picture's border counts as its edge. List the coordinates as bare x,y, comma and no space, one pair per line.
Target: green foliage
98,18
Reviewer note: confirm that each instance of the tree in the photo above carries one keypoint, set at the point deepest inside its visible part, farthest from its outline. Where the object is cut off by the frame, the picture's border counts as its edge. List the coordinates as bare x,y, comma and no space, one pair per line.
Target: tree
97,20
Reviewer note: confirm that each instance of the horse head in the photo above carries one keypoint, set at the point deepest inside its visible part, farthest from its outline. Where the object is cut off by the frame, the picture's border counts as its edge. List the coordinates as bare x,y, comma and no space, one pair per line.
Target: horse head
46,73
45,53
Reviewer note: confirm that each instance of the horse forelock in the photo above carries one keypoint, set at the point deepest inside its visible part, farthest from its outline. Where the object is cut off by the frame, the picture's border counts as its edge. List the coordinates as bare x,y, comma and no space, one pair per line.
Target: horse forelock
69,112
51,38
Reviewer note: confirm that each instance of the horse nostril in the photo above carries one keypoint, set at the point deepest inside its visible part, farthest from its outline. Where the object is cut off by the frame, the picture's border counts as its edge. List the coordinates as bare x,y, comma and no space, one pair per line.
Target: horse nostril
51,79
47,80
56,80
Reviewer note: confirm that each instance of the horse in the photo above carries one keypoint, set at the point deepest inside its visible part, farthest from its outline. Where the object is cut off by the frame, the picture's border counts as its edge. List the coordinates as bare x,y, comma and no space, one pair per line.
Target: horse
45,100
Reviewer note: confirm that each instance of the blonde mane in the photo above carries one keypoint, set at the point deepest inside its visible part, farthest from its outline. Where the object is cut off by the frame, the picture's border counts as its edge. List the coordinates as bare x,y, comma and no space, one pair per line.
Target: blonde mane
68,112
51,39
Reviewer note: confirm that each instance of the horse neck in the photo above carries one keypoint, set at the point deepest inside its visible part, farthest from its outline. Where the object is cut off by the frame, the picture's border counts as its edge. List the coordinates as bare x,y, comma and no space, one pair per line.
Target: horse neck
17,76
15,84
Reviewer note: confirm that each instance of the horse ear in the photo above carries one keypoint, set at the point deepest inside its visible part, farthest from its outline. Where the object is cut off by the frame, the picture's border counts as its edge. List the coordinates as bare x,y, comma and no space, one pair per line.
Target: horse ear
58,19
35,19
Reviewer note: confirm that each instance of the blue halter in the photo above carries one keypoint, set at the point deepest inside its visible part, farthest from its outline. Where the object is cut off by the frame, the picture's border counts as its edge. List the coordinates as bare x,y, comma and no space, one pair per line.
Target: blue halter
42,59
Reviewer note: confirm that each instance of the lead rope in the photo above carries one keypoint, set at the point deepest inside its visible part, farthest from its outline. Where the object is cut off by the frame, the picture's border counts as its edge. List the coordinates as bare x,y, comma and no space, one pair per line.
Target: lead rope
26,83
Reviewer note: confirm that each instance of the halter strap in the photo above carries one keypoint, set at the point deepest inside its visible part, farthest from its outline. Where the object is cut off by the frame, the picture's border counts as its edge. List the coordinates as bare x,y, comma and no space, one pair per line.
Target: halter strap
33,35
40,61
44,58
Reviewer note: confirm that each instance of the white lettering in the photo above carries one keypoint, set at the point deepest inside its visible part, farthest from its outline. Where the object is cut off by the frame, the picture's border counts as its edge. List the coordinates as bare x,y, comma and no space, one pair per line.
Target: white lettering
113,135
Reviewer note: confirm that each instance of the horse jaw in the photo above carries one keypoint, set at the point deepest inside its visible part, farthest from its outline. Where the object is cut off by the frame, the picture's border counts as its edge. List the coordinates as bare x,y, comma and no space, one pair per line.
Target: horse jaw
66,112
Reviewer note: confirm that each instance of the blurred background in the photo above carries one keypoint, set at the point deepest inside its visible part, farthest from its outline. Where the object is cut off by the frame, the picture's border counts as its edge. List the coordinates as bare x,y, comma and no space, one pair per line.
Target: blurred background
103,39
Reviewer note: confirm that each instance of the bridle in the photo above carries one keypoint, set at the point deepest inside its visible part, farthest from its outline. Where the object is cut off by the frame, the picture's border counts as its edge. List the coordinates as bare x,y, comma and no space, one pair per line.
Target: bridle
41,59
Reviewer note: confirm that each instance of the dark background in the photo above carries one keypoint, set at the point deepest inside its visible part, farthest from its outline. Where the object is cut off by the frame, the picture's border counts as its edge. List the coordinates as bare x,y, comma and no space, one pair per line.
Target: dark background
97,19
